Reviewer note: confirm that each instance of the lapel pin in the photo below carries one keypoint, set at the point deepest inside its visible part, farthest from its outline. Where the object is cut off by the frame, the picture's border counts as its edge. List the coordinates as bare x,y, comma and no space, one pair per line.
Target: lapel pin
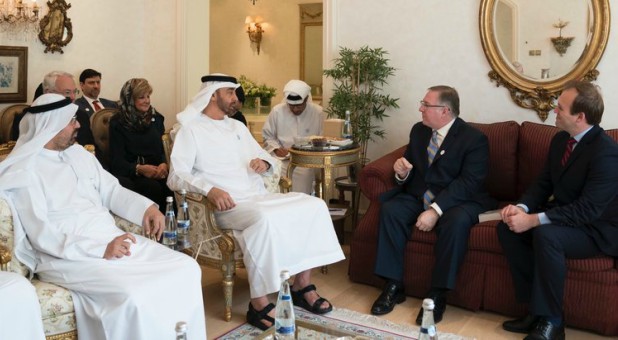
441,152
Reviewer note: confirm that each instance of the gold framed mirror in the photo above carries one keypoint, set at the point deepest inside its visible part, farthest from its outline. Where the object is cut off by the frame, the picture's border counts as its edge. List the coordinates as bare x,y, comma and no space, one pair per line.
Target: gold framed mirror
311,48
56,27
516,30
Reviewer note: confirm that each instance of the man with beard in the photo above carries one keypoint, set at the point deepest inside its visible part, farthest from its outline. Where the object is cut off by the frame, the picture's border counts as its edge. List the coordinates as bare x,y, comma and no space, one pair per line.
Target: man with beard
90,102
216,156
124,286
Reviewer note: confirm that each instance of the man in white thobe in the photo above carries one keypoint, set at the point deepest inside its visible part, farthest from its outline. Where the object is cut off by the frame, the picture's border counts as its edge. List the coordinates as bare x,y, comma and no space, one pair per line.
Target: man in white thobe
216,156
296,116
124,286
20,312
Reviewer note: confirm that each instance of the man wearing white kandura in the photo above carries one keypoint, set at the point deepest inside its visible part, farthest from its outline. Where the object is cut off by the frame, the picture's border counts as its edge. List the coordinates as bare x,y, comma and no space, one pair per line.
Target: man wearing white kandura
216,156
296,116
124,286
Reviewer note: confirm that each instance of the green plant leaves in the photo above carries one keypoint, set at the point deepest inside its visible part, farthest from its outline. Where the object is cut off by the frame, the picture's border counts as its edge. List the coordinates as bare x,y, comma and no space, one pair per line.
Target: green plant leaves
359,76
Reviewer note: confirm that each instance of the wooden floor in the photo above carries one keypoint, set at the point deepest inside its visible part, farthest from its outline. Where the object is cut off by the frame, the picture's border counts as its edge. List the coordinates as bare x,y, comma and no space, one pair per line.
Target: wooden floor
343,293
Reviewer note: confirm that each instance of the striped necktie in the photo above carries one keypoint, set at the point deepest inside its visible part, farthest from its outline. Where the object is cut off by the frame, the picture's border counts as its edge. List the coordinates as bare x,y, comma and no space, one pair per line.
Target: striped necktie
567,151
432,149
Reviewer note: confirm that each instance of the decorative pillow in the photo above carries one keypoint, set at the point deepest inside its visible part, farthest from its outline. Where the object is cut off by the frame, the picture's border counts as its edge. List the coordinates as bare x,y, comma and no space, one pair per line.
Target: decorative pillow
7,239
128,226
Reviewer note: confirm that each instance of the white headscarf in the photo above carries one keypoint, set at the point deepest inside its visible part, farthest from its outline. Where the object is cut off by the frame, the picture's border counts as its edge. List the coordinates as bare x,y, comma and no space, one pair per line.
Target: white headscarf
202,99
36,129
296,88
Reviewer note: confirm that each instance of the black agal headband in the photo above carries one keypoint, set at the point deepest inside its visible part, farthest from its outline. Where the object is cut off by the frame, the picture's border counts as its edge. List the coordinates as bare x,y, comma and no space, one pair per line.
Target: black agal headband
218,78
49,107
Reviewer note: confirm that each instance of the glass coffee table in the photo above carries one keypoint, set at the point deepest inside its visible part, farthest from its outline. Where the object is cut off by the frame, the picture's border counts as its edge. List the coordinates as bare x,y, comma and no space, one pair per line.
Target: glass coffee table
309,330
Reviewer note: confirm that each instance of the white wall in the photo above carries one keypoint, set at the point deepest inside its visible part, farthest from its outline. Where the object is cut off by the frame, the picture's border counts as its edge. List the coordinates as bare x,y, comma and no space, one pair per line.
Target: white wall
122,40
232,53
438,42
167,42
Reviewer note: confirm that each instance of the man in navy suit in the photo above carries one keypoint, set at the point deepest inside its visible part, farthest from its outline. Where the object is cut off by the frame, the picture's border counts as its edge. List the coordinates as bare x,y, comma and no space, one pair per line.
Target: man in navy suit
441,187
90,82
581,220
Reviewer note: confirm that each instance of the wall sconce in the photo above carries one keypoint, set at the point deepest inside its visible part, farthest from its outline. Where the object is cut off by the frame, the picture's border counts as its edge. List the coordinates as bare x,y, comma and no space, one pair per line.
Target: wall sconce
254,29
561,43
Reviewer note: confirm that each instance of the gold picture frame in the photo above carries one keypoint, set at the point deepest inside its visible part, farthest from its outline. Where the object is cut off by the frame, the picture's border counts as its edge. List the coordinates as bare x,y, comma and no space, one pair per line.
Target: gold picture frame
13,74
56,27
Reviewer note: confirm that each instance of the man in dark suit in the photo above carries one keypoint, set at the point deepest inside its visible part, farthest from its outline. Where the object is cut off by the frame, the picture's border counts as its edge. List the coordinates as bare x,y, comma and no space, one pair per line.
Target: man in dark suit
441,187
89,102
62,83
581,221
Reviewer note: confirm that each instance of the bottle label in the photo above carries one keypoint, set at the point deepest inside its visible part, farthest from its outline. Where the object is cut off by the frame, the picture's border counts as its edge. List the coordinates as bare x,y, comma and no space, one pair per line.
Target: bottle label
286,297
286,330
183,224
431,330
169,236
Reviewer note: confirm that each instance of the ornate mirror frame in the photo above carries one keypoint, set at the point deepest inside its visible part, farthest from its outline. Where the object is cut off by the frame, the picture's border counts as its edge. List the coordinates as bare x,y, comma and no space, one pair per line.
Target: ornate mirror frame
540,95
56,28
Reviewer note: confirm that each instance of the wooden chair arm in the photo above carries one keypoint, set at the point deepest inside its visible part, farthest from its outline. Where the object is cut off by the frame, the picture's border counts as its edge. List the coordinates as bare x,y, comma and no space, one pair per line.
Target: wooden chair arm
89,148
285,184
208,227
5,257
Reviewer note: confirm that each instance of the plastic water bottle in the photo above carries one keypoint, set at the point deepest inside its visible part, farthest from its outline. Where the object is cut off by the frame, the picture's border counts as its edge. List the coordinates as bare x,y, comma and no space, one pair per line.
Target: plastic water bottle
428,326
169,234
346,130
181,330
183,222
285,326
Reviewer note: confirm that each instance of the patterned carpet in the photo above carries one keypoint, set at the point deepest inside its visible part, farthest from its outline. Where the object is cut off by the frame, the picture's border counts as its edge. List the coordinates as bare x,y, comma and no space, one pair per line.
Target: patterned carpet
365,326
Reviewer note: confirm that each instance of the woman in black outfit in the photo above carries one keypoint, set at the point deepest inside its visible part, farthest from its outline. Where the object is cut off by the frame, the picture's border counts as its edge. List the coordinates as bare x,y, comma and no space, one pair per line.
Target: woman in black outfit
136,149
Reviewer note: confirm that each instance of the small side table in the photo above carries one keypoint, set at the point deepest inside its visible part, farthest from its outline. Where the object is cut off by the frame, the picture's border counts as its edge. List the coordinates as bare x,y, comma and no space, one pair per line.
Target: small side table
326,159
346,183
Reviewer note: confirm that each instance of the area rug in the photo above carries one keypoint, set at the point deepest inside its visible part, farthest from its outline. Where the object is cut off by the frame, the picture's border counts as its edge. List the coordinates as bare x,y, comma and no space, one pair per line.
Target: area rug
366,326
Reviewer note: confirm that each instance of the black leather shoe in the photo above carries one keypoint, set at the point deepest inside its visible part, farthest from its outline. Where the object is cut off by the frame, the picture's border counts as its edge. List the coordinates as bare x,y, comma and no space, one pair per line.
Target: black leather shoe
522,325
385,303
439,301
545,330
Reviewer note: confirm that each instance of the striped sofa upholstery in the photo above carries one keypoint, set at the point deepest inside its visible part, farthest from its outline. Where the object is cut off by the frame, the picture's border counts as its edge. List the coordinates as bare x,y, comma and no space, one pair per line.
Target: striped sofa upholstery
517,154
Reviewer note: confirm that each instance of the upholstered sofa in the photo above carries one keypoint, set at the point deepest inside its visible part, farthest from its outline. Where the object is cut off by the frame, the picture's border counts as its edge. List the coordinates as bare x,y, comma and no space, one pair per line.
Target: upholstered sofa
517,154
56,302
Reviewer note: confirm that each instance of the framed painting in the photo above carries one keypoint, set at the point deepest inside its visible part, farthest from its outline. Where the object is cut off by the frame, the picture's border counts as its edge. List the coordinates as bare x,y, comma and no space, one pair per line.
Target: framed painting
13,74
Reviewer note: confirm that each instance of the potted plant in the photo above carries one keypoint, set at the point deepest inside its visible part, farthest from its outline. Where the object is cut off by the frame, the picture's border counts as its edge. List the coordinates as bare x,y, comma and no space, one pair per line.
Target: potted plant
359,76
253,91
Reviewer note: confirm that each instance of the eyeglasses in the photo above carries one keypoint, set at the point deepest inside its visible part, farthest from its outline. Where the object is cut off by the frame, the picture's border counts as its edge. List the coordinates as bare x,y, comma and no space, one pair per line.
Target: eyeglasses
426,104
68,93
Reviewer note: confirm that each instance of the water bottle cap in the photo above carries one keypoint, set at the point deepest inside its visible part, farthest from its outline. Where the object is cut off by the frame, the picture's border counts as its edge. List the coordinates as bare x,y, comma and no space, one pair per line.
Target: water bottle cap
285,275
183,191
169,199
181,326
428,304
